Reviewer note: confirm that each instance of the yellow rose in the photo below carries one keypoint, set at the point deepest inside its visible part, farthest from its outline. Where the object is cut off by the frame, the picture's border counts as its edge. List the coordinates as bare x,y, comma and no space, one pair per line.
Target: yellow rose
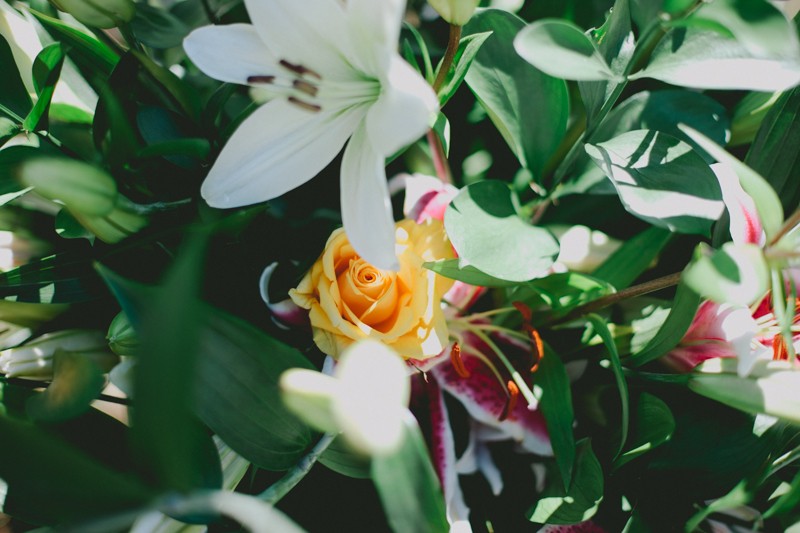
348,299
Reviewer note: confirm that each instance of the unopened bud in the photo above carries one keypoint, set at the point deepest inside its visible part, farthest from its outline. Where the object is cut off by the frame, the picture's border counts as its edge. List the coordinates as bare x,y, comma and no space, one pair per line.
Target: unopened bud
34,360
114,226
121,336
81,187
98,13
456,12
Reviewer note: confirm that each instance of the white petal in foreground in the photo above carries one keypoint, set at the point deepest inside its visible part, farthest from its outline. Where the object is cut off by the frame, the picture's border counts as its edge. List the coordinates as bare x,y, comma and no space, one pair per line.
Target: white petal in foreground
276,149
404,110
230,53
375,30
366,207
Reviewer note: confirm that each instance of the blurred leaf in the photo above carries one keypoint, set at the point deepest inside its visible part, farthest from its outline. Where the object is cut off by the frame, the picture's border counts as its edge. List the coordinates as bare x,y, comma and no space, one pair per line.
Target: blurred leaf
468,48
342,460
760,27
736,274
601,328
616,44
658,110
707,60
235,388
158,28
8,128
408,486
788,501
15,96
581,501
458,269
46,71
178,91
561,49
631,259
197,148
86,49
529,108
51,483
61,278
739,496
486,231
661,180
556,406
672,331
77,381
774,153
652,426
442,130
768,205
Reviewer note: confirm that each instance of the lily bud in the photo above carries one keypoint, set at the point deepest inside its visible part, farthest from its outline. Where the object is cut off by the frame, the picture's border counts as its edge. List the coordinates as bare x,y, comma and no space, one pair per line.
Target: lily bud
121,336
114,226
456,12
770,388
98,13
34,360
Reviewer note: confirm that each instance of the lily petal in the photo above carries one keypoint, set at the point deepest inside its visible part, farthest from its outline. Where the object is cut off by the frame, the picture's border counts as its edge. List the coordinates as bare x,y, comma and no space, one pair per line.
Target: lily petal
745,224
407,103
376,23
230,53
267,156
285,313
366,207
311,33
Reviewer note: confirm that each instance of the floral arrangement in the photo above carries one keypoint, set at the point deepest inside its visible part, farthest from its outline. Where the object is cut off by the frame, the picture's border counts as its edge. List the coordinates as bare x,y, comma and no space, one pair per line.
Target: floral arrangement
443,265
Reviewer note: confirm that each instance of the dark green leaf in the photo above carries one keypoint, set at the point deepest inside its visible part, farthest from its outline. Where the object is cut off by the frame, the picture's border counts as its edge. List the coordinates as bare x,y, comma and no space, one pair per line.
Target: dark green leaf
556,406
601,328
197,148
77,381
631,259
773,153
467,50
529,108
457,269
341,459
661,180
15,95
158,28
46,71
581,501
62,278
422,48
561,49
652,426
178,91
408,486
708,60
563,291
675,326
487,233
50,482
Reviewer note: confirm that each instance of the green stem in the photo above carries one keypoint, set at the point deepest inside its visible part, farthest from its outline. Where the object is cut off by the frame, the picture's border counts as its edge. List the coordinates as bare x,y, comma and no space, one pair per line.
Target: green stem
449,54
282,487
440,162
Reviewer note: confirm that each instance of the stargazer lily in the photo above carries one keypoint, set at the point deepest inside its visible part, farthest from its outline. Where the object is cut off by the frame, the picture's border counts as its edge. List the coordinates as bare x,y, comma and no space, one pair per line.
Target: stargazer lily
334,74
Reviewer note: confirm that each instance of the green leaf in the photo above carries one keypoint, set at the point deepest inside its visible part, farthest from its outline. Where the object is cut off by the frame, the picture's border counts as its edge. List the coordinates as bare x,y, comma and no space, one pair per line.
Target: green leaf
631,259
15,95
556,406
578,504
737,273
77,381
601,328
423,51
661,180
468,48
235,387
46,71
462,271
761,28
178,91
561,49
652,426
342,460
158,28
196,148
658,110
84,48
51,482
57,279
529,108
768,205
408,486
615,42
442,129
773,153
563,291
487,233
675,326
707,60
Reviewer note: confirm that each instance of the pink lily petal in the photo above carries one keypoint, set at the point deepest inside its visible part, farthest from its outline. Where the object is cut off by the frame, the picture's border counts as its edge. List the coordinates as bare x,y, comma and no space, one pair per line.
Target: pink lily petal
478,458
427,197
745,224
583,527
427,403
284,313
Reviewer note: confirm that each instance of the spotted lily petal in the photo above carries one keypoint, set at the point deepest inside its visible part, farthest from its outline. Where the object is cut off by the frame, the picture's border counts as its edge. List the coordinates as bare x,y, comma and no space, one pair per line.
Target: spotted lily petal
268,154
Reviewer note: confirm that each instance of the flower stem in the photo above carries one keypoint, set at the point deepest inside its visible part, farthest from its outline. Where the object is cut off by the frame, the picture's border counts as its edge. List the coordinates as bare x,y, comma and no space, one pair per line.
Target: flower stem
282,487
449,55
626,294
439,158
790,223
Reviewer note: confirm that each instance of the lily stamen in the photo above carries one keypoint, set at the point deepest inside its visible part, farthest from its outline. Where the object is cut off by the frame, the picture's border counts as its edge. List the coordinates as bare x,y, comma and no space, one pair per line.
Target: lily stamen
458,362
300,70
261,79
304,105
779,350
305,87
513,395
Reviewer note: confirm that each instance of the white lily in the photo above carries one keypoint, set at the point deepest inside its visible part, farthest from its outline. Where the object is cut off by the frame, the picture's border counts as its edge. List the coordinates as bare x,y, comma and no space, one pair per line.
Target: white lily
335,74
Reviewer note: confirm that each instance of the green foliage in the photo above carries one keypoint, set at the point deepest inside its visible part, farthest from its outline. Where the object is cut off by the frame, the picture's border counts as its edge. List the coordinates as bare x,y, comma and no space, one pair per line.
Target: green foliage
556,406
